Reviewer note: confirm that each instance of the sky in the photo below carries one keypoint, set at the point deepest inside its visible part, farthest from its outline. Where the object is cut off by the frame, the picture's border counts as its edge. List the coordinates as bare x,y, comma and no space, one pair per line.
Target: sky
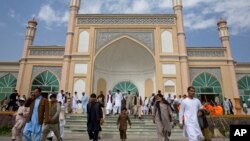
200,20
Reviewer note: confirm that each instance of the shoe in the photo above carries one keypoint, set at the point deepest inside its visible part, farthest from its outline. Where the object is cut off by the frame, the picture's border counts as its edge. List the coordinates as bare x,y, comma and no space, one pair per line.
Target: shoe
50,138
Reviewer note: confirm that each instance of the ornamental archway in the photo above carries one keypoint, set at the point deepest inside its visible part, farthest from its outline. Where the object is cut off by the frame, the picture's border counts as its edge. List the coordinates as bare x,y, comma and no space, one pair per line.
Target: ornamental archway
244,89
207,86
7,85
124,60
124,87
47,81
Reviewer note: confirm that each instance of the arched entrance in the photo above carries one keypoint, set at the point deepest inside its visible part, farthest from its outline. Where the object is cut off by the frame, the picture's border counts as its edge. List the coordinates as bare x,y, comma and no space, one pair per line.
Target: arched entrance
7,85
101,86
124,60
244,89
149,88
124,87
47,81
207,87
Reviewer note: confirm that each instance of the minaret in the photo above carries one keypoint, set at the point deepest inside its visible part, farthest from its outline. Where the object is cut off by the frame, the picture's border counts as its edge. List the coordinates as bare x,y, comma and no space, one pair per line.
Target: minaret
30,35
224,37
74,9
177,6
29,38
225,41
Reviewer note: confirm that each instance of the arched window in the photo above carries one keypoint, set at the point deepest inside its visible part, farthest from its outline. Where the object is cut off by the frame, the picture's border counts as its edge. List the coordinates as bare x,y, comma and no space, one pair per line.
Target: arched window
79,87
205,83
83,42
167,42
244,89
207,87
7,85
169,87
124,87
47,81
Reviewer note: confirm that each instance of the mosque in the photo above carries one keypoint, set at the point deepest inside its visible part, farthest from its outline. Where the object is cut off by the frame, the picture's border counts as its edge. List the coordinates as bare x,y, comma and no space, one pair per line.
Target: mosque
130,52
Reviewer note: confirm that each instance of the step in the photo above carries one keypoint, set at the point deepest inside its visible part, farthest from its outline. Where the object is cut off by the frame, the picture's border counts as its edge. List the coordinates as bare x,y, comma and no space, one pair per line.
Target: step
110,122
112,116
77,123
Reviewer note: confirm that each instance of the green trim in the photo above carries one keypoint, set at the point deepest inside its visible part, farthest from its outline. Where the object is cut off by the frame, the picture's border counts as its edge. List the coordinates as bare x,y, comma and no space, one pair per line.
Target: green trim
206,83
7,85
47,81
124,87
244,85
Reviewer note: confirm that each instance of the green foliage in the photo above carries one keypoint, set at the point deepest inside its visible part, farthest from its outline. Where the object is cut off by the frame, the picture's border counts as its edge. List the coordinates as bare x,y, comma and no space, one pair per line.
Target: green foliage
5,130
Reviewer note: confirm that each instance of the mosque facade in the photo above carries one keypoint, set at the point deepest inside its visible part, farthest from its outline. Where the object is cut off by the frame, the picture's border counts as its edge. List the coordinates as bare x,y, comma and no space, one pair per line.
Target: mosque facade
140,53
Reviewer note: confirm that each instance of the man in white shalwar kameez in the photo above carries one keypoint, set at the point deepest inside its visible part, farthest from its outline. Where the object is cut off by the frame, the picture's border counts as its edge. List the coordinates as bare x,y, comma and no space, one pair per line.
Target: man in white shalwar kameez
188,116
109,103
59,97
74,103
118,104
62,120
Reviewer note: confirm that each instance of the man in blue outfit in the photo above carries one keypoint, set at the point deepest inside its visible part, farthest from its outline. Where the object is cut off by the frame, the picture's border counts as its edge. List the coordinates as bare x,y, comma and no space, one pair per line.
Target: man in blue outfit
39,114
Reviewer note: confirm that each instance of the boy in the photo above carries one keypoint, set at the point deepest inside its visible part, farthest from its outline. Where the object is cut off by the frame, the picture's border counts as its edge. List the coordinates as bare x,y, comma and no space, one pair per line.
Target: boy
20,121
122,124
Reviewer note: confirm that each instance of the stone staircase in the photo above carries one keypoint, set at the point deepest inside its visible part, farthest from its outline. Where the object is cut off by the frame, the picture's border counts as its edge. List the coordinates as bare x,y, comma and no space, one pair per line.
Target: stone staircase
77,123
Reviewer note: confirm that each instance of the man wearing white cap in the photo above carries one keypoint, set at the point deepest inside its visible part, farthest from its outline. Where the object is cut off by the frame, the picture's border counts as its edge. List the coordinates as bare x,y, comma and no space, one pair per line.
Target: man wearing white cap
20,121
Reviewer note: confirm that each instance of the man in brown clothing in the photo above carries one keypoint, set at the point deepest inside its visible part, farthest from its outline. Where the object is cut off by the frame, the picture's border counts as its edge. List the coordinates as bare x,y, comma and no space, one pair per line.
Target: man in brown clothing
122,124
39,114
53,124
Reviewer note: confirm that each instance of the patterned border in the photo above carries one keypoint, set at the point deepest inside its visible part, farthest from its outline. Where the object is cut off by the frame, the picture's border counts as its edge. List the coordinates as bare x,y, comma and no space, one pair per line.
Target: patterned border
42,52
126,20
5,73
206,53
39,69
214,71
104,36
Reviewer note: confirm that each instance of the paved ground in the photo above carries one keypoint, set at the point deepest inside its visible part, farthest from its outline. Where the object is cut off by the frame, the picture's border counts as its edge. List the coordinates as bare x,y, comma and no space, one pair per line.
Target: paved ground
79,137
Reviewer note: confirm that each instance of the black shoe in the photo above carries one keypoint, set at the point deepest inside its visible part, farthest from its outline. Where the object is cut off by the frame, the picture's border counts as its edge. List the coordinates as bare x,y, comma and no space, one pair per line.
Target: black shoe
50,138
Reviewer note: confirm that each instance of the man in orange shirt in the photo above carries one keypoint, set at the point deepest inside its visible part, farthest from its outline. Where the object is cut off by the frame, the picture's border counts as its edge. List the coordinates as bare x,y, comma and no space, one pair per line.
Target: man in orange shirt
209,107
218,110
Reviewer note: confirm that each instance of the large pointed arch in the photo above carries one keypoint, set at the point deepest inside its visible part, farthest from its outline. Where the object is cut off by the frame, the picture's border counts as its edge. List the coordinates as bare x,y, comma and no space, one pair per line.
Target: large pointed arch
124,58
47,81
7,85
125,37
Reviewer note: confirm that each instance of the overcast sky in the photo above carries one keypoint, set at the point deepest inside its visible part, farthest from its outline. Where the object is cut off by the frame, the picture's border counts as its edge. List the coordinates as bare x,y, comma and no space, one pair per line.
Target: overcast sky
200,19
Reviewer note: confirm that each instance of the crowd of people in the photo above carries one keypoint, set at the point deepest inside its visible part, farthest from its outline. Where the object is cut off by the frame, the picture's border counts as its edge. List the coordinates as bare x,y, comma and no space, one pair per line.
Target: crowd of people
42,115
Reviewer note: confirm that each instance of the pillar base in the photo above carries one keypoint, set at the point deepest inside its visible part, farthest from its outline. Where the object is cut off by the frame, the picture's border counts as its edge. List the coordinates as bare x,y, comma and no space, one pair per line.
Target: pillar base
237,106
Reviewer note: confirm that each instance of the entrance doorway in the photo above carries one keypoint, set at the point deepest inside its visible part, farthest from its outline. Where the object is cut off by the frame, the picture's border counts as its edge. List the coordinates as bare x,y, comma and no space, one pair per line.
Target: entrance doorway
124,87
124,64
207,98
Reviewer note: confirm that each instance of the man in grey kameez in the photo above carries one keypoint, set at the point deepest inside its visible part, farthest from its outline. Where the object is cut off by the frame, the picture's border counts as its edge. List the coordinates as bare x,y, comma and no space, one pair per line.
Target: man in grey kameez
162,117
129,102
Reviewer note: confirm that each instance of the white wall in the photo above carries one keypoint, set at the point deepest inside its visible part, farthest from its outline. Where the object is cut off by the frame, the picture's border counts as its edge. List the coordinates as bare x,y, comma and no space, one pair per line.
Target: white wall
167,42
79,87
83,42
81,68
168,69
